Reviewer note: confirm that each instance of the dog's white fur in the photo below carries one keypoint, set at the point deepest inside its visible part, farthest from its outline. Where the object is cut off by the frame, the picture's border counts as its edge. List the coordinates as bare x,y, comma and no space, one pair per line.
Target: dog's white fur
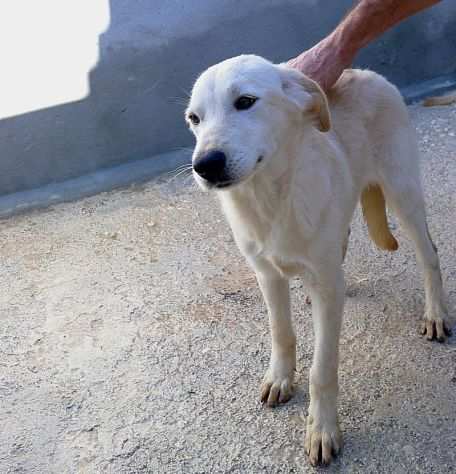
290,213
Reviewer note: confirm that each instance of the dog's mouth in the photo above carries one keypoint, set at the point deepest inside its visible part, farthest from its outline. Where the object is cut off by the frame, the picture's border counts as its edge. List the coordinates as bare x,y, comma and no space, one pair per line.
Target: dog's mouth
205,184
229,183
234,182
225,184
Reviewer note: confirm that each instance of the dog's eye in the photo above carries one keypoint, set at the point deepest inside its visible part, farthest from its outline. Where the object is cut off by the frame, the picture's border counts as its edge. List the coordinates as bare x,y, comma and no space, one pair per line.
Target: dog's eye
194,118
244,102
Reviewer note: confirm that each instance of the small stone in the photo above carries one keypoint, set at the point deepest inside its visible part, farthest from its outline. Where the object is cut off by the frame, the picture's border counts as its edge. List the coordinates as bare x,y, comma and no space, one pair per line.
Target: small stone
408,451
111,235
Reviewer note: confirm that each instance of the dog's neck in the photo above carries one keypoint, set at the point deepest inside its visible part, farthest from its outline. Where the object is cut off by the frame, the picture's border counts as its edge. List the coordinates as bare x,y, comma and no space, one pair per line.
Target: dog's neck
269,196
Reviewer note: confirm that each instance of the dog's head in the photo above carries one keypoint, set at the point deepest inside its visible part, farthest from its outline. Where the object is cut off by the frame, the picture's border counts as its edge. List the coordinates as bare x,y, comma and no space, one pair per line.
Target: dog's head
241,112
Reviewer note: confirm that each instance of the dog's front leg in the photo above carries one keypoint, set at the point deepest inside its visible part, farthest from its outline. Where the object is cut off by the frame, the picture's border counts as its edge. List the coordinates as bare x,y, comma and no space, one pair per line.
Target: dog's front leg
323,437
277,386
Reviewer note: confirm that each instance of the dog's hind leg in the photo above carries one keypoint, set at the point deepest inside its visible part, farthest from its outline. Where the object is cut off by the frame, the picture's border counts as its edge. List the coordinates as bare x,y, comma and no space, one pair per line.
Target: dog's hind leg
405,197
277,386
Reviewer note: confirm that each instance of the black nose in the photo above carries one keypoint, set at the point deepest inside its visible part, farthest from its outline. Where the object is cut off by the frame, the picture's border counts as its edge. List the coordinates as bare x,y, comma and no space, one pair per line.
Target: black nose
211,166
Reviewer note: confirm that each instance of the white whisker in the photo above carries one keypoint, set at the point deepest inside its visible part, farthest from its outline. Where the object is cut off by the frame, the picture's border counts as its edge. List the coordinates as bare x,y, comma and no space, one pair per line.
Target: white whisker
180,173
187,166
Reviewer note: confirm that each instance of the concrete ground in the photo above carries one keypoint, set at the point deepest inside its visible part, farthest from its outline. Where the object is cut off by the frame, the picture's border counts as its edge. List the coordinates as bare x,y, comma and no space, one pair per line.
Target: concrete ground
133,340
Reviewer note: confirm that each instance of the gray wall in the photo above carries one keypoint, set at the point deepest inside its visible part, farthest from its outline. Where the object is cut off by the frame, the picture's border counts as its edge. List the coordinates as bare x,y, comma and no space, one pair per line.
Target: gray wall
152,52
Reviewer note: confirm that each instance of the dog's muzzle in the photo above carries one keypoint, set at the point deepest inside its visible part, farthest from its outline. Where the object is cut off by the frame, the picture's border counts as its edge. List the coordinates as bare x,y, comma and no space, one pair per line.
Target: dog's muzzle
212,168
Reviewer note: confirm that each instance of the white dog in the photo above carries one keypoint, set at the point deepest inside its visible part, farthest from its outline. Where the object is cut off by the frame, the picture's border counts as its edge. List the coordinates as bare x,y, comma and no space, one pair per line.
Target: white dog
289,165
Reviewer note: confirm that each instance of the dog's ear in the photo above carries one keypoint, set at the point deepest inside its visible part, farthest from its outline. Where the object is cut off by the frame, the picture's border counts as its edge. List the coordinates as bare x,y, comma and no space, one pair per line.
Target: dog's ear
306,94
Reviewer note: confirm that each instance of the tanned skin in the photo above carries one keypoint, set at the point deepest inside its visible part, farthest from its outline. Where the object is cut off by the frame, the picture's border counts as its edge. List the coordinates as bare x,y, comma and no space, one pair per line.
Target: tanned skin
326,61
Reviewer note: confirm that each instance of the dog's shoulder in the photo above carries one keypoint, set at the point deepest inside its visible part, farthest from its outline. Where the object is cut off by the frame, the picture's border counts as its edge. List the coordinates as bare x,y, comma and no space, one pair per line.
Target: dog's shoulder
364,92
356,78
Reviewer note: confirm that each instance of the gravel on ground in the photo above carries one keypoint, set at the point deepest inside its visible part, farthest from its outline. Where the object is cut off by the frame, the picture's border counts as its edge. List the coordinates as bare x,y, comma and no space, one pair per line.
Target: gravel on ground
133,339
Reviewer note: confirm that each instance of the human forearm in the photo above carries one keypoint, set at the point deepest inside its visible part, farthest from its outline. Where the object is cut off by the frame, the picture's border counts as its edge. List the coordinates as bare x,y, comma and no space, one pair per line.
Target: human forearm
368,20
326,61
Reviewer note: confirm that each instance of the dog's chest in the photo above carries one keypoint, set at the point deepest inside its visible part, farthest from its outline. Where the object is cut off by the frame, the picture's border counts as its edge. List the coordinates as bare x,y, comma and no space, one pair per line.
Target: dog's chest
276,240
265,227
288,268
279,252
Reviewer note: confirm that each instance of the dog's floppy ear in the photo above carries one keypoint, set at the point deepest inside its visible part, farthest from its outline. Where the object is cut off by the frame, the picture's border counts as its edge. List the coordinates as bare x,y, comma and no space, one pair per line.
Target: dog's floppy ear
306,94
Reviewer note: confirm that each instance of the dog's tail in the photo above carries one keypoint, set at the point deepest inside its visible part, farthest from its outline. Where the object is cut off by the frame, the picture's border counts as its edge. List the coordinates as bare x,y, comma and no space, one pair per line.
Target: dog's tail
374,211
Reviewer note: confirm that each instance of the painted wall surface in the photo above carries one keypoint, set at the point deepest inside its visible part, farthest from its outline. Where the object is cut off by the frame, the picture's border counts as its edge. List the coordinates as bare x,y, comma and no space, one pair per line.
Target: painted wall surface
89,85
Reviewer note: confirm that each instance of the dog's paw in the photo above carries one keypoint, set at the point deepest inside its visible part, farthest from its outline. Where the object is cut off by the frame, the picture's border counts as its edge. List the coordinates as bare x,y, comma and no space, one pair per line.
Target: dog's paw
323,441
277,386
435,328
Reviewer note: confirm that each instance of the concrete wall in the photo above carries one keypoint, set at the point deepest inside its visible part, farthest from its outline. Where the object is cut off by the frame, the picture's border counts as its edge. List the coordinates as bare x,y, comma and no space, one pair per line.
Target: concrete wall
115,75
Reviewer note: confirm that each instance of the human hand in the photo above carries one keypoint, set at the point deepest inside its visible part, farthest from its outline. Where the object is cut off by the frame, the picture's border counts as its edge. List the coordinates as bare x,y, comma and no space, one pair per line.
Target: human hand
323,63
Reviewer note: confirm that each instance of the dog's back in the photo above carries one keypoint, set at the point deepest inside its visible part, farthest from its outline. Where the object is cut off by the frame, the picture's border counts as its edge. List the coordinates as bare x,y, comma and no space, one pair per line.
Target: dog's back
364,102
367,93
367,109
